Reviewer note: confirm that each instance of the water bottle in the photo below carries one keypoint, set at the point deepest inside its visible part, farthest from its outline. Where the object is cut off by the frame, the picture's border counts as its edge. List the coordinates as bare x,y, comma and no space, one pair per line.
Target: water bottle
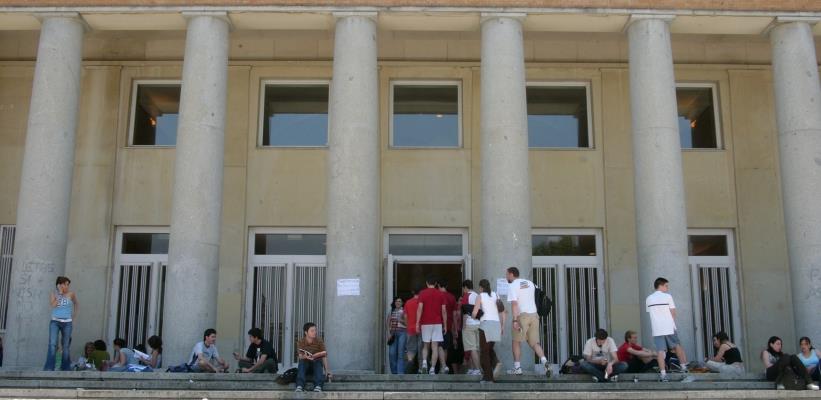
258,351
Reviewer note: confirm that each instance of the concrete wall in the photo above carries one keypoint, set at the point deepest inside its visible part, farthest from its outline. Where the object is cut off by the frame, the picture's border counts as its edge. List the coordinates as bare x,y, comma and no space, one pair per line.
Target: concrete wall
115,185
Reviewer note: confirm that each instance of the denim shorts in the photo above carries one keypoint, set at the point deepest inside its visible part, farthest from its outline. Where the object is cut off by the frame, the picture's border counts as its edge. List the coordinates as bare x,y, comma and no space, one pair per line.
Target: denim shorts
666,342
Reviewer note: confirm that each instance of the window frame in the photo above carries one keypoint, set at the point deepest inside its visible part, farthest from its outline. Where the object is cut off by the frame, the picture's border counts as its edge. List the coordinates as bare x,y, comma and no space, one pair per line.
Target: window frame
290,82
713,86
439,82
588,103
132,115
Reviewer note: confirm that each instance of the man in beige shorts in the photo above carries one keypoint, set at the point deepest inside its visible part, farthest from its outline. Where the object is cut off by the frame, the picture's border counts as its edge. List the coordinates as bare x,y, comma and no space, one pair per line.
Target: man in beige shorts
470,330
521,294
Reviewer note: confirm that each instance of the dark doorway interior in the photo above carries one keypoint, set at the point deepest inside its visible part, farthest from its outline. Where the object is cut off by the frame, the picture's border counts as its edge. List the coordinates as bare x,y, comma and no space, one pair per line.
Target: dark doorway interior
408,276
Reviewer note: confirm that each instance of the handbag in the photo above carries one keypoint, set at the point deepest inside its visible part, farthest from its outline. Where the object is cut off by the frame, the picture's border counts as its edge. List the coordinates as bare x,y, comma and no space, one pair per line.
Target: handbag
391,340
499,305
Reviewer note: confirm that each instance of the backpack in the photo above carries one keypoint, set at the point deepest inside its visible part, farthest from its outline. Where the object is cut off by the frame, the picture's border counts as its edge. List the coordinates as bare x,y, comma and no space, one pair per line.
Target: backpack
179,368
543,302
573,365
287,377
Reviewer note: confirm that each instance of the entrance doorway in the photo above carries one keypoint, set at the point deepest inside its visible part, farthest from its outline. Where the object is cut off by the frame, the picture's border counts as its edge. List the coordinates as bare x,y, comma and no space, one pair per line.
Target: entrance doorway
409,276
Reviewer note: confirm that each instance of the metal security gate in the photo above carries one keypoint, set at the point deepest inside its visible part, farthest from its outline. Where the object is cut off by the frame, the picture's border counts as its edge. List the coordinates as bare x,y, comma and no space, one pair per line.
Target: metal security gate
268,307
6,250
715,288
582,303
545,278
141,289
284,296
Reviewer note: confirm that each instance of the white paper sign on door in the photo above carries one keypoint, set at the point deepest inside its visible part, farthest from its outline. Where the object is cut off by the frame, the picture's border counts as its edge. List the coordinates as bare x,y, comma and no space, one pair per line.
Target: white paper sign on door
347,287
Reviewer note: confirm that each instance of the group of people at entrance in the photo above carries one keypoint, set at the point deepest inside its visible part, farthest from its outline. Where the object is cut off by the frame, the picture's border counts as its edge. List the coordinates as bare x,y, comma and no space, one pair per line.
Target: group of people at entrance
445,333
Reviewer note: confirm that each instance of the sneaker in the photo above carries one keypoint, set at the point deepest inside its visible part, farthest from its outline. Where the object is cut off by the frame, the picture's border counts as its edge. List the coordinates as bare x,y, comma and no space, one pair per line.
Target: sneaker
515,371
298,389
497,369
475,372
423,370
547,370
432,371
812,386
318,389
595,380
445,371
663,378
614,378
779,387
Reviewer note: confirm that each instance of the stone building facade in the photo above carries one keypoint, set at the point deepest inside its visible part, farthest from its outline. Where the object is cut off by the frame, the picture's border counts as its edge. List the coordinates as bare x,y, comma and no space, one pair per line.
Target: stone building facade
246,163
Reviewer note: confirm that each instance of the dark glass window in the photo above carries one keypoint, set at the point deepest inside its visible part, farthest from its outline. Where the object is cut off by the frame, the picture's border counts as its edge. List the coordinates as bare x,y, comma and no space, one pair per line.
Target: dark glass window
426,116
156,110
557,117
707,245
145,243
425,245
564,245
289,244
696,118
295,115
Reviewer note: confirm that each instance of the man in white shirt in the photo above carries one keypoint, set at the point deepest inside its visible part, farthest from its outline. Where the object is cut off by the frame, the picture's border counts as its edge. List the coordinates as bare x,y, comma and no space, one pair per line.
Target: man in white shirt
662,311
205,357
521,294
600,358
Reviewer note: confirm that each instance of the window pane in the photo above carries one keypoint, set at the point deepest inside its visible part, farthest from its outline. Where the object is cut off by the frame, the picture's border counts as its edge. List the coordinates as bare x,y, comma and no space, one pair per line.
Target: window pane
564,245
425,245
155,114
295,115
707,245
696,118
557,117
145,243
289,244
426,116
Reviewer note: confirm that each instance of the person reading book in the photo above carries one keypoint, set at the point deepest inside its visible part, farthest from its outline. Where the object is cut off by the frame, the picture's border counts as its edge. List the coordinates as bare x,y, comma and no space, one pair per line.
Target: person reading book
312,358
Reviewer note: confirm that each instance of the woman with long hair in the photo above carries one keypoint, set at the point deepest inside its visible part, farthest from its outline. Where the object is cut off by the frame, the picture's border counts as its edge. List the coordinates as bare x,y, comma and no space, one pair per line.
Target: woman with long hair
775,362
64,306
491,328
809,356
397,336
727,358
155,342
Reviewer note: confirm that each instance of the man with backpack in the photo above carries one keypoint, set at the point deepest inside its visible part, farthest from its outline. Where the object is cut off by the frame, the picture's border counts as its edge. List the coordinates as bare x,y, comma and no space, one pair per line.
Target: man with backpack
522,297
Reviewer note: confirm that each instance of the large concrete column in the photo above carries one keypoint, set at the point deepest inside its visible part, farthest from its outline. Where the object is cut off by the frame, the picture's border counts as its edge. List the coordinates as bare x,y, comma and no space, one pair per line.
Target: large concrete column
45,190
506,227
193,254
661,219
353,196
798,114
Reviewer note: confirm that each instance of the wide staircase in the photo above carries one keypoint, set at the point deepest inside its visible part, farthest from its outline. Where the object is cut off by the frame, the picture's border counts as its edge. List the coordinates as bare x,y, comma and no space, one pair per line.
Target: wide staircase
158,385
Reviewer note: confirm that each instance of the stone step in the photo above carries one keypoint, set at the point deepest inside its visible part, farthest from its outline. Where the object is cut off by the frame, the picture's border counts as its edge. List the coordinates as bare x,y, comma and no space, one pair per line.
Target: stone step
392,395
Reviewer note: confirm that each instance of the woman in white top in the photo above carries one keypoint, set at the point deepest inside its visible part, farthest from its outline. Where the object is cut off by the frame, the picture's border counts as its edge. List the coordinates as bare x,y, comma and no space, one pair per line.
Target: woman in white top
491,328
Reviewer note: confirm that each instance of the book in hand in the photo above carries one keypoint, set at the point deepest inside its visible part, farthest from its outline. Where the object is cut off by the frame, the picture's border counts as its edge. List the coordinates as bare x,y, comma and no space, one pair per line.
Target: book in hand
306,353
142,356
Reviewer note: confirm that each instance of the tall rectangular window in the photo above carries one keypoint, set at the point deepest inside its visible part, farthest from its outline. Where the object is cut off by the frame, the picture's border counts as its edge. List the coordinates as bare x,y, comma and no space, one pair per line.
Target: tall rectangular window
558,116
426,114
697,117
155,110
295,114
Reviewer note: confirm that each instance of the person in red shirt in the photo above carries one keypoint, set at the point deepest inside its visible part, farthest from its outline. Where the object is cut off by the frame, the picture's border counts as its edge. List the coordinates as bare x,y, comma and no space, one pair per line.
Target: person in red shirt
432,322
412,343
638,358
449,338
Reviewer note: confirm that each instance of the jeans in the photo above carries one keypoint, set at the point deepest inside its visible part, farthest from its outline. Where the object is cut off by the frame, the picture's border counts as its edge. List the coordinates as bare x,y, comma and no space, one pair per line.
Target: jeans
397,352
64,328
314,366
597,370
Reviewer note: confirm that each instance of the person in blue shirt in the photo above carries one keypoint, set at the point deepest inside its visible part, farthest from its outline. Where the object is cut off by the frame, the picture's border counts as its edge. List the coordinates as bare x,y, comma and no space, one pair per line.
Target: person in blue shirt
64,306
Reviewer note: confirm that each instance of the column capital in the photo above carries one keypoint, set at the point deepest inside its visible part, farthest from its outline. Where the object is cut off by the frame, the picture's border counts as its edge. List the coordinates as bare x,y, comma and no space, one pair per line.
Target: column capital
43,16
486,16
668,18
221,15
372,15
811,21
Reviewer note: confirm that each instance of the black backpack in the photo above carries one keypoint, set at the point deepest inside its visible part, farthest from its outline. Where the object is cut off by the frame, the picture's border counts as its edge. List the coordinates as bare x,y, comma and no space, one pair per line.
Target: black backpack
543,302
287,377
